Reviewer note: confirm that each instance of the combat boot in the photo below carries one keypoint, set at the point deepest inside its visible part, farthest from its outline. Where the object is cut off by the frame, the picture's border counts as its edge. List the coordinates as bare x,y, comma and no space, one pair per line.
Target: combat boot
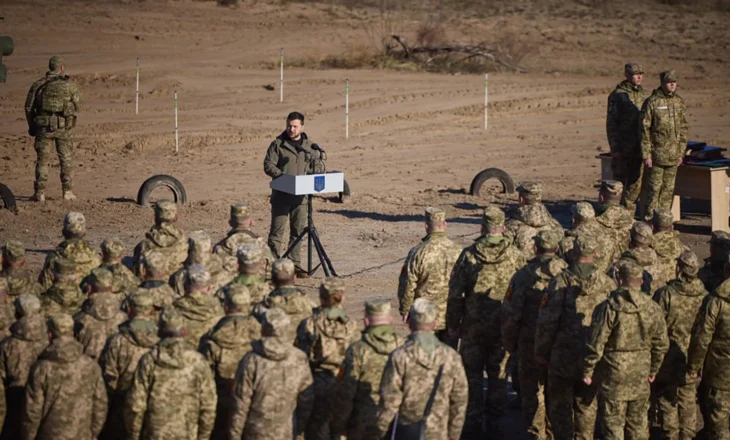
38,197
68,195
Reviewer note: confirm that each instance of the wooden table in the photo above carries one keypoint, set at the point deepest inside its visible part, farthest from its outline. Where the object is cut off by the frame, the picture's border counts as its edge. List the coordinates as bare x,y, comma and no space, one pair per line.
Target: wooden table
697,182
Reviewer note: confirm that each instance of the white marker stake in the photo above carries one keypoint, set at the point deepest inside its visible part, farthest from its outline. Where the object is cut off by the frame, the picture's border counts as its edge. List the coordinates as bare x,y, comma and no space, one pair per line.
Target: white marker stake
177,145
486,99
281,79
347,109
136,103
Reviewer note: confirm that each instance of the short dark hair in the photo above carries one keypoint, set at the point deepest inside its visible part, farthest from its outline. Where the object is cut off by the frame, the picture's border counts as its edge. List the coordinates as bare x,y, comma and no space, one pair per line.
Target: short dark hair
295,115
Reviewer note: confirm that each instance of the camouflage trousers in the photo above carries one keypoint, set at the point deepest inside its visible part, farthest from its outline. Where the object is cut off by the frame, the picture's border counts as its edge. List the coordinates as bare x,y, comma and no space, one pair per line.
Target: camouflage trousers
296,217
659,189
318,426
717,413
677,409
632,183
63,142
532,393
572,408
478,357
624,419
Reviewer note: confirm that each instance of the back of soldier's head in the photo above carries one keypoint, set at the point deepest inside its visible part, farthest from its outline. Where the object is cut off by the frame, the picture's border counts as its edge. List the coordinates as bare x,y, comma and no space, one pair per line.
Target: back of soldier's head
493,220
282,271
60,325
237,298
547,241
101,280
435,219
332,291
275,323
250,256
64,268
200,247
155,265
641,234
611,191
688,264
422,316
26,305
582,212
530,193
171,324
377,312
662,220
141,303
56,64
74,225
13,253
630,273
112,249
240,215
165,211
197,278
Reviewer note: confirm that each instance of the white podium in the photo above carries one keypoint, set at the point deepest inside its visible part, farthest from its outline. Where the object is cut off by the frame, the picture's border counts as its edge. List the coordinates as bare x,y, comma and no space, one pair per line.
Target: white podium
308,185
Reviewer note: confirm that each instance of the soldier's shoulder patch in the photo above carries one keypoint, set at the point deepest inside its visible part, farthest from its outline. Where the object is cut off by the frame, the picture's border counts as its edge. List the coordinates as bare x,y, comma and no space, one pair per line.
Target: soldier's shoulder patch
544,300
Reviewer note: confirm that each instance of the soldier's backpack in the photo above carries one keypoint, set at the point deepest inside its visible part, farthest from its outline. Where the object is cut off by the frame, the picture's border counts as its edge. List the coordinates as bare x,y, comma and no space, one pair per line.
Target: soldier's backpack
52,95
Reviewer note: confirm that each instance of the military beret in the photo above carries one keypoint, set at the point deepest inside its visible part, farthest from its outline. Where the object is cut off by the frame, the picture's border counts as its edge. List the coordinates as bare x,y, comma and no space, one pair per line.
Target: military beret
238,295
250,253
583,211
74,223
668,76
154,262
14,250
197,276
142,299
171,320
422,311
630,270
547,240
101,279
61,324
240,211
282,269
377,308
166,210
64,266
612,187
689,263
331,286
641,233
276,321
55,62
585,245
26,304
633,69
662,218
435,215
112,248
493,216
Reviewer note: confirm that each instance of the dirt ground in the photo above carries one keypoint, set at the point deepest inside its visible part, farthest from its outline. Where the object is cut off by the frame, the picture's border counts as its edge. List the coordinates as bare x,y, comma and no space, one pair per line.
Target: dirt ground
416,139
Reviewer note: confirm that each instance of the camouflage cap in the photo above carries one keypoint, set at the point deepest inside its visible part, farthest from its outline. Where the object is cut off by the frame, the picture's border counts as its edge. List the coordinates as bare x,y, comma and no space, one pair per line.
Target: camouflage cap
101,279
64,266
662,218
112,248
547,240
583,211
435,215
720,239
282,269
197,276
641,233
141,299
74,223
530,191
612,188
630,270
377,308
633,69
238,296
331,286
668,76
250,253
567,245
493,216
422,311
154,262
240,211
200,241
171,320
166,211
61,324
688,263
27,304
585,245
276,322
14,250
55,62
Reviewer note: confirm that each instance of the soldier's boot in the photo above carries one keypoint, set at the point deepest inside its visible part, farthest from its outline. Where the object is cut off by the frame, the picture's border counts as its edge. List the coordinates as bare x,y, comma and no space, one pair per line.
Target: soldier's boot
68,195
38,196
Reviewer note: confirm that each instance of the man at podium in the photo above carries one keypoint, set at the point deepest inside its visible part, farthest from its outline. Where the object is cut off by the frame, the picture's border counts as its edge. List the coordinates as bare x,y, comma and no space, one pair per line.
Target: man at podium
290,153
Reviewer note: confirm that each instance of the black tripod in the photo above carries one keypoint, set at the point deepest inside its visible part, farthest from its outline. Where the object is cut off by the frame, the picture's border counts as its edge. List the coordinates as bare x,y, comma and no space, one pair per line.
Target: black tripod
313,241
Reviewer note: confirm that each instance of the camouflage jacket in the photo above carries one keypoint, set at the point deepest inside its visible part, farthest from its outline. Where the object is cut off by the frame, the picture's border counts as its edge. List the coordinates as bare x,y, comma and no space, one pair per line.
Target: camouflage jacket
172,396
123,351
563,323
29,337
7,316
219,276
525,224
608,252
624,117
21,282
64,296
646,257
124,281
629,337
258,288
668,248
616,222
426,273
664,128
226,344
358,385
169,240
522,303
325,336
272,382
65,398
162,294
709,348
680,301
283,157
77,250
71,91
292,301
201,313
99,321
407,383
479,282
236,237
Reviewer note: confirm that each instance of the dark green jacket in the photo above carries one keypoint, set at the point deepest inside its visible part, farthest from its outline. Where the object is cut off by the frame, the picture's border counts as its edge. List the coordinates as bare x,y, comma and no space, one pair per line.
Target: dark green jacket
284,158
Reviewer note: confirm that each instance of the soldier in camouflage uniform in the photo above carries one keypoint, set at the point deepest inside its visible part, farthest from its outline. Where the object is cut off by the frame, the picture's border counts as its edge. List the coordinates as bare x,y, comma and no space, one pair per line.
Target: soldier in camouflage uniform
165,237
640,252
241,222
19,280
358,384
100,315
225,346
73,248
478,285
622,129
712,273
120,357
173,393
615,220
519,319
324,337
200,251
199,308
563,329
585,225
155,275
427,269
29,336
673,391
629,336
409,380
66,398
273,387
286,296
50,110
7,310
251,259
529,219
664,130
666,243
112,253
64,296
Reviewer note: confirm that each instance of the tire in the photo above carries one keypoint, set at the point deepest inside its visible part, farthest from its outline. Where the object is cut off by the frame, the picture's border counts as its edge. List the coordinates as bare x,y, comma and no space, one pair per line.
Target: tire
508,186
161,180
7,199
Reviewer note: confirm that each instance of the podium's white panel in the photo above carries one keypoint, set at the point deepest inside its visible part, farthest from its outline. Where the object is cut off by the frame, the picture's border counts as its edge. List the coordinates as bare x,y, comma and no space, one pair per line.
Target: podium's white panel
309,184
